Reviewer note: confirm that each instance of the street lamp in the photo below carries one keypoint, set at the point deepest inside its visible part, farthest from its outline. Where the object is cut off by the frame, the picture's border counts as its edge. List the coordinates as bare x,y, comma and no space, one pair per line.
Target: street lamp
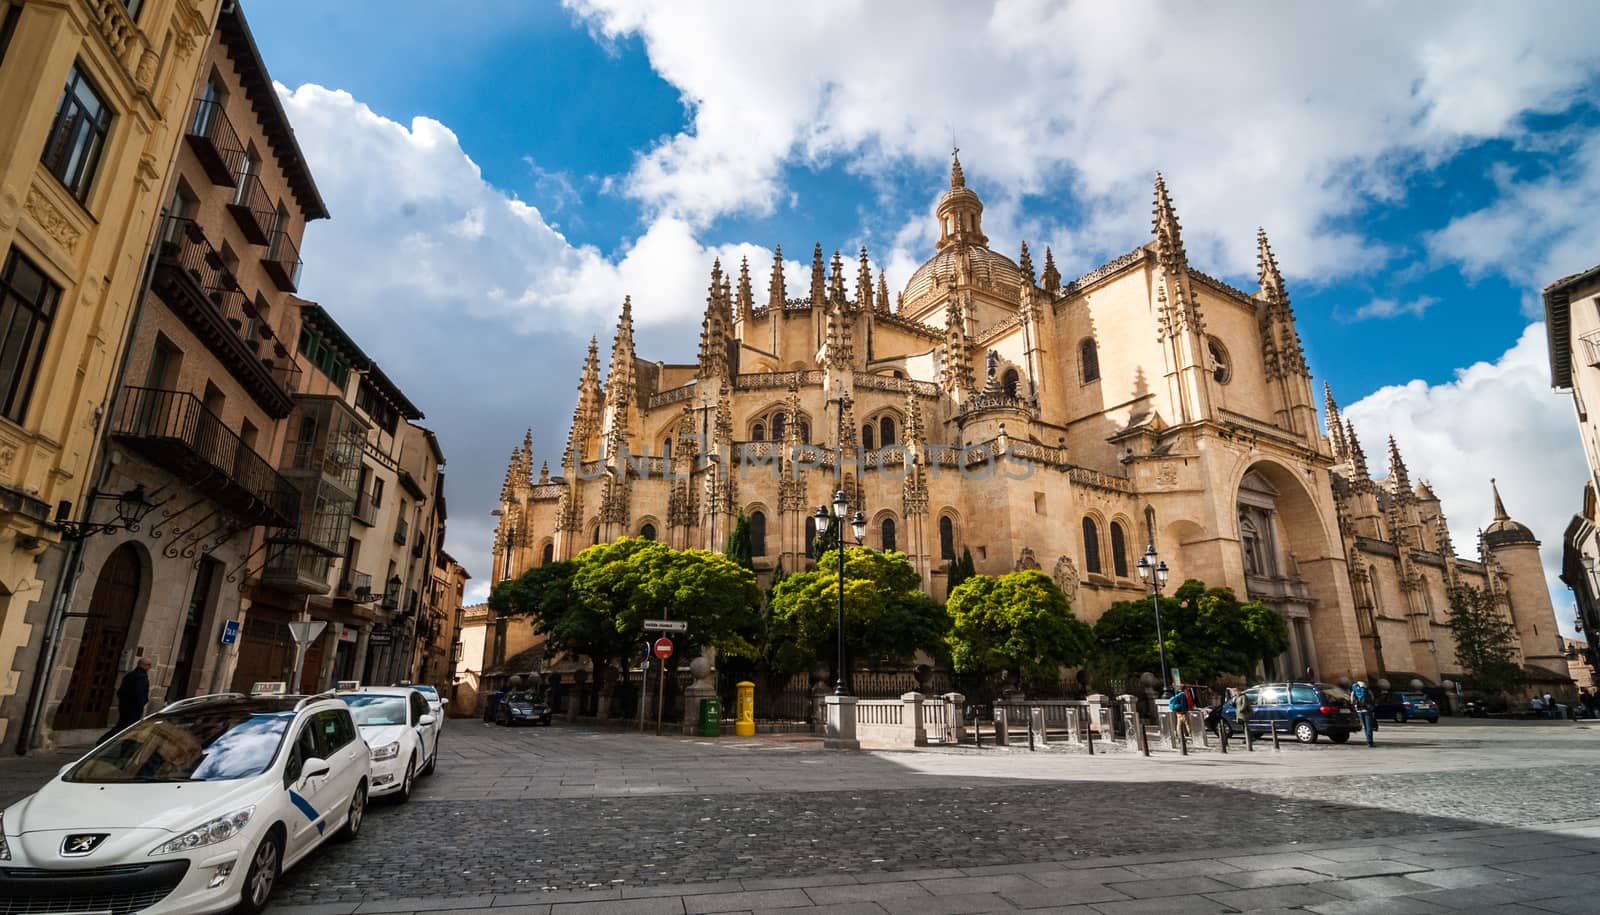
132,506
1155,572
858,527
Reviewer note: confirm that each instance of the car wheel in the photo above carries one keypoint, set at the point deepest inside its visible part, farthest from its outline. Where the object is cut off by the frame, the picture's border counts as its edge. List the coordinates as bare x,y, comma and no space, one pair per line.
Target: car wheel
1305,732
356,813
262,876
1339,736
404,794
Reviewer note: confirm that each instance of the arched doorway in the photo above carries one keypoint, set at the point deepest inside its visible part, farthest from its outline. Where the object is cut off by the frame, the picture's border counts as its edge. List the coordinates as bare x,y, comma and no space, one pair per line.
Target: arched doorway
1278,526
92,690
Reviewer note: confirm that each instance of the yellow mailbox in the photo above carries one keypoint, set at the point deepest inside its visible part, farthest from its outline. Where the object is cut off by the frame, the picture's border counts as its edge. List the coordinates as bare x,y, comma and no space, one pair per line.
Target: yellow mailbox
745,723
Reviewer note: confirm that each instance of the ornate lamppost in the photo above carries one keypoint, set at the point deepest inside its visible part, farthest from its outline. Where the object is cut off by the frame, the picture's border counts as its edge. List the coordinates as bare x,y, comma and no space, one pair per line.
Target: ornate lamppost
1154,571
858,527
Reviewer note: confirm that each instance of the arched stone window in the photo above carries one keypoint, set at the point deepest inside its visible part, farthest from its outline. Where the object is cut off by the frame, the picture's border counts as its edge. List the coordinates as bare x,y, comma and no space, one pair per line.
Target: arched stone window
778,422
886,431
1119,550
805,431
1091,546
811,533
648,532
758,533
1010,382
888,535
758,432
597,536
666,447
947,538
1221,365
549,553
866,437
1088,360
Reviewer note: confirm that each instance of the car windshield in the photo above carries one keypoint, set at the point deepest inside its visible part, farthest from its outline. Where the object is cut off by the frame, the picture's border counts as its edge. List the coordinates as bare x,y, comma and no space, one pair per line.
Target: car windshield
374,711
521,697
199,744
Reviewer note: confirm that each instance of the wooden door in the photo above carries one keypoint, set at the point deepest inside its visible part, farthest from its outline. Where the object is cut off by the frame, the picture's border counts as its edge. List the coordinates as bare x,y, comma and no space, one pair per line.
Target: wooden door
93,688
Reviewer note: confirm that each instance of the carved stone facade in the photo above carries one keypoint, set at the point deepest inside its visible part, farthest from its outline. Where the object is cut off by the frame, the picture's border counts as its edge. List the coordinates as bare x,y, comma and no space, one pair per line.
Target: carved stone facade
1143,403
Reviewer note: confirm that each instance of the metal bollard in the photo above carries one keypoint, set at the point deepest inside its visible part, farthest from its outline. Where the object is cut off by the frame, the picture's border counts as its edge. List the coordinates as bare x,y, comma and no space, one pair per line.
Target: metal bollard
1222,735
1274,735
1090,734
1183,741
1249,742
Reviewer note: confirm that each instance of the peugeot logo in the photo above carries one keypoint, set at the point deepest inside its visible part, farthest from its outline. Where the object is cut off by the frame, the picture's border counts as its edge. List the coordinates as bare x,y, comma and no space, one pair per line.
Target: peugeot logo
76,846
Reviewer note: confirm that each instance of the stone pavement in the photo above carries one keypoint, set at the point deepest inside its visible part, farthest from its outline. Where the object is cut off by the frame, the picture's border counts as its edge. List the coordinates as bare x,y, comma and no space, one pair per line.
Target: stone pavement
568,821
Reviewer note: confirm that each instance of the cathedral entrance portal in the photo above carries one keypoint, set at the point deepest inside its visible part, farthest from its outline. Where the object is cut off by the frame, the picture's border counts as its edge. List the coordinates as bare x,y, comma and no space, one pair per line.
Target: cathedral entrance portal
1279,524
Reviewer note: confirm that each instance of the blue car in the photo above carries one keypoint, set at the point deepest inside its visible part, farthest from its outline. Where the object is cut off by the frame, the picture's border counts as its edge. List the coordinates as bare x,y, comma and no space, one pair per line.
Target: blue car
1403,707
1304,710
523,708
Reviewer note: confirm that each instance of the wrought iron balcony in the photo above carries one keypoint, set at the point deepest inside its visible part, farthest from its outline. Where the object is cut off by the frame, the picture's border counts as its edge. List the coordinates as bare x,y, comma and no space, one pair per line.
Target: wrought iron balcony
282,262
215,143
354,585
252,208
402,532
174,430
297,567
366,509
191,279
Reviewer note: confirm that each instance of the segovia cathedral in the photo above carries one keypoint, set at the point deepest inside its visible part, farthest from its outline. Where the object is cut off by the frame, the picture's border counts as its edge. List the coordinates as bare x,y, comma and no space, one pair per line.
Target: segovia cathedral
1043,424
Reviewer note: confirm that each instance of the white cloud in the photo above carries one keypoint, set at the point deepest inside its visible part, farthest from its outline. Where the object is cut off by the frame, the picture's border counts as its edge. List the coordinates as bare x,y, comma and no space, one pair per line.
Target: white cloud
1283,115
1391,308
1494,420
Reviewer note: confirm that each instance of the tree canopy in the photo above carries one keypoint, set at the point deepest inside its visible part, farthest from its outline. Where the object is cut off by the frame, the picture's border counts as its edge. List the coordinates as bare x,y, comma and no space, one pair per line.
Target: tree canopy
959,570
1485,639
1020,623
1208,631
887,616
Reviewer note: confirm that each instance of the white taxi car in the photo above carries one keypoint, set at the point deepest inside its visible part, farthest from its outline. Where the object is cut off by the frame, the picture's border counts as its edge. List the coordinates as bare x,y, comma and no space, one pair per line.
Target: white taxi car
398,725
436,704
197,808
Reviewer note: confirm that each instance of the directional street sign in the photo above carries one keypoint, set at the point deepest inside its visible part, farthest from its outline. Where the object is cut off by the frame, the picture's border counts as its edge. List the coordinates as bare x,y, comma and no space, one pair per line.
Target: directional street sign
663,648
665,626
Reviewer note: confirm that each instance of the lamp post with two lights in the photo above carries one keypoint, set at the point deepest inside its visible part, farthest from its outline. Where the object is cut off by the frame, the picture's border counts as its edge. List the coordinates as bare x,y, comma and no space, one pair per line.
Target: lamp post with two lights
858,527
1154,570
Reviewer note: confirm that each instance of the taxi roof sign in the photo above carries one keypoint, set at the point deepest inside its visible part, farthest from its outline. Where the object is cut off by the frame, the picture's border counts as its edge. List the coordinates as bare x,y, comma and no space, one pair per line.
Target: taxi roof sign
269,688
348,686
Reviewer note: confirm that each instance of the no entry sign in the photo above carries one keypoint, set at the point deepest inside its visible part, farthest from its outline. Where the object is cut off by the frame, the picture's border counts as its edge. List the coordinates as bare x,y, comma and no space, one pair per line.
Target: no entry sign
663,648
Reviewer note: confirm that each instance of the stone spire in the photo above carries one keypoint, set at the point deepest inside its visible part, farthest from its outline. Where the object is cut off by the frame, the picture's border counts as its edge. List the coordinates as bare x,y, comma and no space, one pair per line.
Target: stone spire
882,299
819,279
587,413
838,348
713,332
1280,342
1358,457
864,297
776,293
1179,311
1499,506
1025,264
958,178
1050,280
746,301
847,423
1399,477
544,473
791,424
914,428
508,490
957,375
836,282
525,471
1335,426
620,384
1169,233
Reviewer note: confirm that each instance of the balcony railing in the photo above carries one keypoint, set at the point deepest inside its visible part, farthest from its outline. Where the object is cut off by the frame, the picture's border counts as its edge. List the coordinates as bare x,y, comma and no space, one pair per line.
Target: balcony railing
417,545
366,509
192,279
252,208
177,432
215,143
402,532
282,262
297,567
354,585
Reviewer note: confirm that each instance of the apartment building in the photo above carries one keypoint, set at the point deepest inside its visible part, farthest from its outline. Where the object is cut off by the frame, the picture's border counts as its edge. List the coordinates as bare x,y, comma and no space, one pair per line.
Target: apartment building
94,98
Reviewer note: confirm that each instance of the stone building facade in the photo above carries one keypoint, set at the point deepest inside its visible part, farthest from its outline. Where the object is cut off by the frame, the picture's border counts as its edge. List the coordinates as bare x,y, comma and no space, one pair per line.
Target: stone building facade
1041,422
1572,330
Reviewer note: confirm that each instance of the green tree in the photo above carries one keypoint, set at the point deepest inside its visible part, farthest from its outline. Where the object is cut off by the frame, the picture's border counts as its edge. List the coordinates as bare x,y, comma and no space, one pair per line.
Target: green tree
887,616
1485,639
1208,631
739,548
1019,622
960,570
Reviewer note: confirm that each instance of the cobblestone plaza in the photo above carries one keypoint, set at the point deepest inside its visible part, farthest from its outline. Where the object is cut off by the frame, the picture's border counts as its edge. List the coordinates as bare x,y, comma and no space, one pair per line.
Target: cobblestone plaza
561,821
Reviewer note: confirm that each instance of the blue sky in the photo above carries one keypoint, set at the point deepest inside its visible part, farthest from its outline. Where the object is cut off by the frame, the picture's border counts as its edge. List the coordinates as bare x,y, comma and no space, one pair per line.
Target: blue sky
510,170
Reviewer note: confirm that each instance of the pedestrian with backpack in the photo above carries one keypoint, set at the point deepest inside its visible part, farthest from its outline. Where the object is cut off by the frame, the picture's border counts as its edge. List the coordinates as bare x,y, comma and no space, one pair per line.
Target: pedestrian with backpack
1362,696
1180,704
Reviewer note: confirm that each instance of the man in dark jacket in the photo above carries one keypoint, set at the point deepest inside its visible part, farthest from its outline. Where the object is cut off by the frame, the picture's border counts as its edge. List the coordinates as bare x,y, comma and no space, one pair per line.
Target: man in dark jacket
132,696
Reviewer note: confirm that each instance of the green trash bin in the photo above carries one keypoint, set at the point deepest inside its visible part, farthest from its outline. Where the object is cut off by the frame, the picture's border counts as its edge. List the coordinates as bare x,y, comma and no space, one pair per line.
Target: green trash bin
711,717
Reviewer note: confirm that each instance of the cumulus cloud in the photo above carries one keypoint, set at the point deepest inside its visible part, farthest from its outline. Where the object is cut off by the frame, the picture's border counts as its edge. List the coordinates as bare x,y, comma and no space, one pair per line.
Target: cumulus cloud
1290,116
1391,308
1493,420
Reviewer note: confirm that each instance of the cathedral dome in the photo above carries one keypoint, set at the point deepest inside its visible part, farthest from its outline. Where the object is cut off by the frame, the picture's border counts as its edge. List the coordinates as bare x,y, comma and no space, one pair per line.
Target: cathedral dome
962,248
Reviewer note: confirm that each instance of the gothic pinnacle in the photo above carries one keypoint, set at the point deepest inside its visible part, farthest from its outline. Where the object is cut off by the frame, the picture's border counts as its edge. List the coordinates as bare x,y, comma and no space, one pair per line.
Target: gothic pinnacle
544,473
836,281
819,278
1051,278
1025,262
1335,426
745,300
1267,265
1499,507
1358,457
864,298
882,300
776,294
1169,235
1398,475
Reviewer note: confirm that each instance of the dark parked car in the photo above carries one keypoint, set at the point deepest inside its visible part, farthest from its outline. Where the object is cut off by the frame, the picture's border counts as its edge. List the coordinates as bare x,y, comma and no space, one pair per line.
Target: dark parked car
1403,707
1305,710
523,708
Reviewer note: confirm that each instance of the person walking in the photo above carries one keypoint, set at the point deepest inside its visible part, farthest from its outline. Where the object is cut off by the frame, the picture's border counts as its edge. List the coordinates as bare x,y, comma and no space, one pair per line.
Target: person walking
1362,696
132,696
1180,704
1241,713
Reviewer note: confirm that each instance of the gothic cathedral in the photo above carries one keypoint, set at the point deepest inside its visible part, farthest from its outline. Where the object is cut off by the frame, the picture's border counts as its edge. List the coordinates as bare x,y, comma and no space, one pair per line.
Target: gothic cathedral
1047,424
